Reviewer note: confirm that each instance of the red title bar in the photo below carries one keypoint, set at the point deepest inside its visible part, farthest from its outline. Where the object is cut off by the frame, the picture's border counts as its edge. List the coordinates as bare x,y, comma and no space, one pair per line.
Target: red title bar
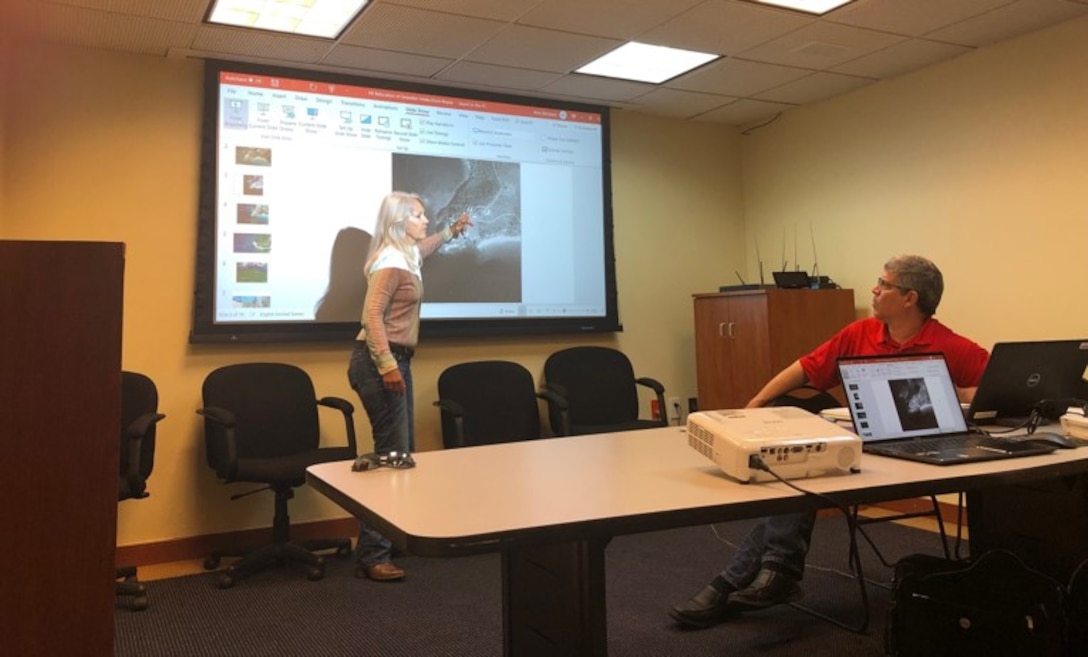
406,97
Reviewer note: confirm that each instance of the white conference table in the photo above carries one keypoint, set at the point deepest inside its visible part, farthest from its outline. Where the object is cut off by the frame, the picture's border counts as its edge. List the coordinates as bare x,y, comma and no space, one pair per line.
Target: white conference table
551,505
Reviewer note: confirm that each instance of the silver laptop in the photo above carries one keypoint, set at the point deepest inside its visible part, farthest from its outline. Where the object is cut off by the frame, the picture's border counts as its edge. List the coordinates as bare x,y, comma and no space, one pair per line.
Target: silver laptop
1021,374
905,406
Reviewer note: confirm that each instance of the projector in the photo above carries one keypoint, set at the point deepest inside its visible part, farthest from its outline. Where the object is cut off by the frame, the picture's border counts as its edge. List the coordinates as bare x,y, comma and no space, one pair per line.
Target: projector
793,442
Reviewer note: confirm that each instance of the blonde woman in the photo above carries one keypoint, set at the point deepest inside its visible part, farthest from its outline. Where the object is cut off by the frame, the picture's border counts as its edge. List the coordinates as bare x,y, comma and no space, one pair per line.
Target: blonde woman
380,366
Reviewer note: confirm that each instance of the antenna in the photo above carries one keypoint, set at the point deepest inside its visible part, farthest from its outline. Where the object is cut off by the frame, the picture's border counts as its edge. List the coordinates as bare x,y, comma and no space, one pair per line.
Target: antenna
759,260
796,262
784,261
815,258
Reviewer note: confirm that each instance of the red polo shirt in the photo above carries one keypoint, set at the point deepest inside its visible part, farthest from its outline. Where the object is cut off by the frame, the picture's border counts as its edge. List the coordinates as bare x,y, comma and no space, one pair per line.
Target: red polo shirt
869,337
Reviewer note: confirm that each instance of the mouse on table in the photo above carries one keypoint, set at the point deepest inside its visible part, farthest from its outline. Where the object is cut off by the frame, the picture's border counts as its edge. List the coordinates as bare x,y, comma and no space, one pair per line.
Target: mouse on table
1049,438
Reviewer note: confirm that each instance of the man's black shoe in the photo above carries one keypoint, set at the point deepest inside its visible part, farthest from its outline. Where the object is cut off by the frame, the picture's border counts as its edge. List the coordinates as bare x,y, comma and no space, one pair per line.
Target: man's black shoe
769,588
705,609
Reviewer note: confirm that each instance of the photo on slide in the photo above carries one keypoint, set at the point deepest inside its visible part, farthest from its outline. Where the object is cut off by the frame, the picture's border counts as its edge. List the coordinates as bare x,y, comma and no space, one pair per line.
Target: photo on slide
913,404
484,264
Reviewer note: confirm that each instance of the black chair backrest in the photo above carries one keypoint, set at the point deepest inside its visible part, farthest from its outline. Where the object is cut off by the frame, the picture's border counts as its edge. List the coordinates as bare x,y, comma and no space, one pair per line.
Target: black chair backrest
139,399
498,401
599,385
274,406
810,399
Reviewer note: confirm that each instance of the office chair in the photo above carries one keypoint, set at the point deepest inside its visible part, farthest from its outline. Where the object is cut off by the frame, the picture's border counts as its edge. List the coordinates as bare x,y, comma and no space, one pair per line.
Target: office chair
261,426
594,390
487,402
139,415
815,400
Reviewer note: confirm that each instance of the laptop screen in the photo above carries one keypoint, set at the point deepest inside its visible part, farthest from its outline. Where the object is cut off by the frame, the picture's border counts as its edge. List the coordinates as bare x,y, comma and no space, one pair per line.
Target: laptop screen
900,396
1021,374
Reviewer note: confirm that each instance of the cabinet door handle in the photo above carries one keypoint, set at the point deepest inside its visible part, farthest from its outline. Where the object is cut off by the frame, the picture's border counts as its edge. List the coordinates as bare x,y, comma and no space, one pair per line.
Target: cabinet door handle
732,335
721,332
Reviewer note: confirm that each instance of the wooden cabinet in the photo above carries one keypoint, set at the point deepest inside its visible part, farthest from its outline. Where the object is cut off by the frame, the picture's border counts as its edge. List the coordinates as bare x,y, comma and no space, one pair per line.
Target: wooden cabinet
60,408
744,338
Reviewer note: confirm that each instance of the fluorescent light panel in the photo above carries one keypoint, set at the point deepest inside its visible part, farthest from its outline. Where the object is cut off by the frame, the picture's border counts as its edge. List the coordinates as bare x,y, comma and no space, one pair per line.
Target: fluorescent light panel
643,62
319,18
817,7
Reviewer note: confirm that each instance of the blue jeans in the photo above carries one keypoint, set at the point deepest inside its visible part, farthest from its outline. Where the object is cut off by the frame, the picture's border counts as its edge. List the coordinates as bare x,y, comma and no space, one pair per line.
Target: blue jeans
392,420
782,540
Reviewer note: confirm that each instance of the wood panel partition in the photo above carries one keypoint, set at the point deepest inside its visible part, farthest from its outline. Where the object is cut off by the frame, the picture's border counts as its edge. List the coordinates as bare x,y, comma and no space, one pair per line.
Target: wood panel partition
60,414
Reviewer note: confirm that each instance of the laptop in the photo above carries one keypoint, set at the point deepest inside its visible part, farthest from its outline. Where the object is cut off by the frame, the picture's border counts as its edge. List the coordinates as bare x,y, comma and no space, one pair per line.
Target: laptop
1021,374
905,406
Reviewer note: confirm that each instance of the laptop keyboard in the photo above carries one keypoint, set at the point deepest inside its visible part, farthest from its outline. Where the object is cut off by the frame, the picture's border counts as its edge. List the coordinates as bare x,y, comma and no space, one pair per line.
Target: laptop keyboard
931,444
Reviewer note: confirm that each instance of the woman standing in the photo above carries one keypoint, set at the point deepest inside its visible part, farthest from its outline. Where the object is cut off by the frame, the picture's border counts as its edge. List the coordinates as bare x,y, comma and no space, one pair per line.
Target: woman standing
379,370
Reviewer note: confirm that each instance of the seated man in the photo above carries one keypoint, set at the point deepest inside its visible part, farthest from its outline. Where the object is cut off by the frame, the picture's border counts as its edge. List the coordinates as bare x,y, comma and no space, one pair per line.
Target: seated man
769,564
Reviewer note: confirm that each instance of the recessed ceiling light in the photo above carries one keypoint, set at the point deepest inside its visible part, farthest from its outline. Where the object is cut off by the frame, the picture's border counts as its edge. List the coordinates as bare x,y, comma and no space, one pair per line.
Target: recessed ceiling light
818,7
319,18
645,63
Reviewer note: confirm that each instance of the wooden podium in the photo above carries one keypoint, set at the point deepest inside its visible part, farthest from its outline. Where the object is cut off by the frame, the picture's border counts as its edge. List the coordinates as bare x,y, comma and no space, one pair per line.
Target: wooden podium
60,412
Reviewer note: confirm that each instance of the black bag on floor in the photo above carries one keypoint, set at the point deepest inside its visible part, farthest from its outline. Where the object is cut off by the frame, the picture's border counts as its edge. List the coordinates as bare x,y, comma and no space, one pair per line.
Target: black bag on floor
992,606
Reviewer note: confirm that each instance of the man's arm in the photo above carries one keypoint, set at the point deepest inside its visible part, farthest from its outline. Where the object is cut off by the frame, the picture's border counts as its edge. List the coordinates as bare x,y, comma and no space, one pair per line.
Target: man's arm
966,394
788,379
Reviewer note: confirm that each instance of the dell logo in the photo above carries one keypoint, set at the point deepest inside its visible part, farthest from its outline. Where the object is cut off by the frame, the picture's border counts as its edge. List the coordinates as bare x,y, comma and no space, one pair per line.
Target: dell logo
1033,380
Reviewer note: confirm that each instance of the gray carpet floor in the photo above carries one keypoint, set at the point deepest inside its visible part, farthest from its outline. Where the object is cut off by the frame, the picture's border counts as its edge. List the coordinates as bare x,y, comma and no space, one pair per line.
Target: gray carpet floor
452,607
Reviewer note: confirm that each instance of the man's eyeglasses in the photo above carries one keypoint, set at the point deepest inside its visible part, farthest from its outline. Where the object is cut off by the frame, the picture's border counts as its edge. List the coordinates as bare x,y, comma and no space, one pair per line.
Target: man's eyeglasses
885,285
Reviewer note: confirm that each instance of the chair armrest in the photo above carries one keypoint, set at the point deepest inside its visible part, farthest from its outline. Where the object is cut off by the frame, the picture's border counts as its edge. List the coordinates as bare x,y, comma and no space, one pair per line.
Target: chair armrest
134,436
457,412
558,406
139,427
659,390
347,409
220,444
451,407
652,384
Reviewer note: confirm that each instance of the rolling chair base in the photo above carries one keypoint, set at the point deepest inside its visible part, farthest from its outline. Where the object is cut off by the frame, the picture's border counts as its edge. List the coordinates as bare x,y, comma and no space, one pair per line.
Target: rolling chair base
129,587
277,555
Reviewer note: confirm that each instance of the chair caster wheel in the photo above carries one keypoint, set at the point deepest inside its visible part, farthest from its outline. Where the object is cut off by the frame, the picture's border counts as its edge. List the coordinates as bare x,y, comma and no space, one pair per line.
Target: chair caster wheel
315,573
211,563
226,580
139,603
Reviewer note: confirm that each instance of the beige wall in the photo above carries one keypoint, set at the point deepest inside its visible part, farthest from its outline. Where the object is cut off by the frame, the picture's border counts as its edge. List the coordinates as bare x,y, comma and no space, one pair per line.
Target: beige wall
105,146
980,163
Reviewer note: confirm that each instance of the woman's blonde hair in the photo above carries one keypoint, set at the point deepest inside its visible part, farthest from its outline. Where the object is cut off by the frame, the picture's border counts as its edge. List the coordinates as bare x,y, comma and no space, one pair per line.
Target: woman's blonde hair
390,229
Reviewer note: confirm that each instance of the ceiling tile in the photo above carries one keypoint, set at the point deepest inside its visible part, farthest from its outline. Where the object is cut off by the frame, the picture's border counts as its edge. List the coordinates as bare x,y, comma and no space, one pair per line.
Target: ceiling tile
913,18
541,50
257,43
598,88
680,104
501,10
406,29
816,87
174,10
497,76
821,46
737,77
96,29
1010,20
619,19
397,63
725,28
745,111
901,58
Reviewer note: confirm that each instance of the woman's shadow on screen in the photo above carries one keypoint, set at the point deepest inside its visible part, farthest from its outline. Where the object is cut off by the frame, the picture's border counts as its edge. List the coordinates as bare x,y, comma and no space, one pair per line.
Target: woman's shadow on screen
343,298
